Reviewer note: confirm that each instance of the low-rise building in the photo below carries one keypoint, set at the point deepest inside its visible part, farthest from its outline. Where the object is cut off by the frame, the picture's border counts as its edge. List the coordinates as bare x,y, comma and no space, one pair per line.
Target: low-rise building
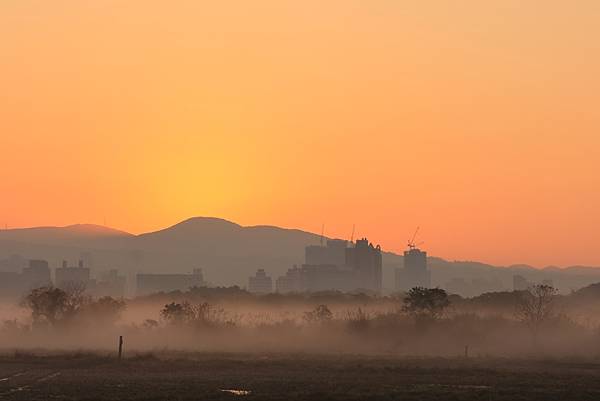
110,283
152,283
65,277
36,275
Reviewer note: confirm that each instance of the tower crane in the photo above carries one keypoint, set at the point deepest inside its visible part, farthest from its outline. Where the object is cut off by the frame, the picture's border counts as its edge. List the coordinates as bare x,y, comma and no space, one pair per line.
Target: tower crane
411,243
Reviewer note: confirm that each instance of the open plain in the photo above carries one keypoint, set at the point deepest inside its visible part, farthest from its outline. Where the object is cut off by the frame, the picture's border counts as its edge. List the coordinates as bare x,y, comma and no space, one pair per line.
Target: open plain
208,376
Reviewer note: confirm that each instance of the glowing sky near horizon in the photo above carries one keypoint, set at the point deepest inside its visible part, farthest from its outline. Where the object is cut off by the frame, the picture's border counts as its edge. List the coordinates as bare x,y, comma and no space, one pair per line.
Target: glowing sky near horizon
478,121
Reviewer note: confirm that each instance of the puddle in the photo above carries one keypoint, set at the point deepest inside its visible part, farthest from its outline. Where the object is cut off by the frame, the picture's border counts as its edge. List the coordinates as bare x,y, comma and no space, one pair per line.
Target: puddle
461,386
5,379
474,387
15,390
48,377
27,387
237,392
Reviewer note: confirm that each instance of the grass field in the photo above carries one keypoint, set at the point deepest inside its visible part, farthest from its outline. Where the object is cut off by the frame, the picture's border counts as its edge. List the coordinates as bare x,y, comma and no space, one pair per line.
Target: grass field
184,376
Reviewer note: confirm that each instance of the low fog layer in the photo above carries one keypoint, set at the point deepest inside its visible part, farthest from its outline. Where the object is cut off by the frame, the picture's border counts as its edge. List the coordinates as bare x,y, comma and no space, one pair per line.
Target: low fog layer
428,323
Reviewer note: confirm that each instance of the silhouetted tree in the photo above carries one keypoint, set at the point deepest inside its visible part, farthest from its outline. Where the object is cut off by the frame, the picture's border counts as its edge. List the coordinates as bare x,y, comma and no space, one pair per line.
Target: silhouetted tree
535,306
177,313
426,303
55,305
76,299
202,314
46,304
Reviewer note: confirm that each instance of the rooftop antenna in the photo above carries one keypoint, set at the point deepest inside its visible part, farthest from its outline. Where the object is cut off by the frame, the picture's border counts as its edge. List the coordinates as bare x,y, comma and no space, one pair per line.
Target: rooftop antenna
322,233
352,236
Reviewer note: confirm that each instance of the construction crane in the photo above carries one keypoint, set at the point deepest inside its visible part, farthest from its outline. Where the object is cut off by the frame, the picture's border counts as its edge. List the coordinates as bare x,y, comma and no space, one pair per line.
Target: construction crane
411,242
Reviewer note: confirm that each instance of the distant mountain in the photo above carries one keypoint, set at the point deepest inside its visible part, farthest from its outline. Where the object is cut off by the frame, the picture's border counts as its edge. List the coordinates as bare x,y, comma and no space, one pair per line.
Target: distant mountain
62,235
229,253
226,251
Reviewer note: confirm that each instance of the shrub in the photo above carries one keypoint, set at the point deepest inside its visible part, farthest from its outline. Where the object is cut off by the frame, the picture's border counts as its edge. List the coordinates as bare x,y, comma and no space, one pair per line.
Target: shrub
320,314
358,319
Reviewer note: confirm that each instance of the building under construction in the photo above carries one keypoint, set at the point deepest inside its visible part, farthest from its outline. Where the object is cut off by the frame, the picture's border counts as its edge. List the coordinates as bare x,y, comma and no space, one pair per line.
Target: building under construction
415,272
337,266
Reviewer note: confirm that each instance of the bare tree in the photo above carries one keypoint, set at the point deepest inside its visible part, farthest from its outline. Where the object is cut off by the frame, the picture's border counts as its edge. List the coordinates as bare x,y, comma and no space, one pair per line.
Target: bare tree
535,306
76,299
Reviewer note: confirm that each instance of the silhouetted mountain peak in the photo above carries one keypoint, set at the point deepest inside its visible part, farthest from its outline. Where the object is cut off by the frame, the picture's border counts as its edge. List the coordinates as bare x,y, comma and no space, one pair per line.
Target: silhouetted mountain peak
95,229
194,229
207,221
76,231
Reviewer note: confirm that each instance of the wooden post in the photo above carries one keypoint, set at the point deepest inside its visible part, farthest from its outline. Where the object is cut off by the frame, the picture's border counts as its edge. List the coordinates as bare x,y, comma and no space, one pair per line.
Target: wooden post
120,347
466,351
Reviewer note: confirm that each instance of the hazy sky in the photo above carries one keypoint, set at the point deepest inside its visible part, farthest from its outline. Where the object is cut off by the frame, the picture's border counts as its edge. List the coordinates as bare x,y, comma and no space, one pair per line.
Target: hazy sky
477,120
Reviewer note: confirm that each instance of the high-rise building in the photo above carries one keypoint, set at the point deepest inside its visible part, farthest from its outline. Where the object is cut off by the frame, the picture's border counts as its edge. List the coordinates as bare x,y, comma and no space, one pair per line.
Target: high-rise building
291,282
336,267
332,254
260,283
415,272
365,261
16,284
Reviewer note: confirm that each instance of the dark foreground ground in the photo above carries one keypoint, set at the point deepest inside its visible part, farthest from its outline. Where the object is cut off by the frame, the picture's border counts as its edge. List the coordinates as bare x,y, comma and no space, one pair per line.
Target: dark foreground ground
292,377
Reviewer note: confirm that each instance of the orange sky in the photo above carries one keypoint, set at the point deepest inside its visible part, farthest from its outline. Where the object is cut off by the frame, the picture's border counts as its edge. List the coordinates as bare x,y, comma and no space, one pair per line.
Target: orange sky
478,121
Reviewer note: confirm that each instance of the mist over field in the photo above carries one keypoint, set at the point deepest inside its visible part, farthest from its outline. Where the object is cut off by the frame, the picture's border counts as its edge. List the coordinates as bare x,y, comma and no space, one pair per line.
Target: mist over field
232,320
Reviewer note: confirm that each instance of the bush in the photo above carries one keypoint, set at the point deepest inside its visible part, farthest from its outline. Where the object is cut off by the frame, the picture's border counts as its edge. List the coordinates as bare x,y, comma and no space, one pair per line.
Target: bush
199,315
106,309
320,314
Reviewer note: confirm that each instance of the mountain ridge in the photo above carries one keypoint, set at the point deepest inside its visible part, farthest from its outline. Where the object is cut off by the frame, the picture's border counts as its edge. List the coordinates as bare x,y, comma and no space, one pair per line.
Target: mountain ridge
229,253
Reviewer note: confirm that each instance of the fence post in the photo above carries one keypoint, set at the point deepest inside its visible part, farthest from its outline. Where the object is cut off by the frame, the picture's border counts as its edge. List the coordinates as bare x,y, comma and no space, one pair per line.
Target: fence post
120,347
